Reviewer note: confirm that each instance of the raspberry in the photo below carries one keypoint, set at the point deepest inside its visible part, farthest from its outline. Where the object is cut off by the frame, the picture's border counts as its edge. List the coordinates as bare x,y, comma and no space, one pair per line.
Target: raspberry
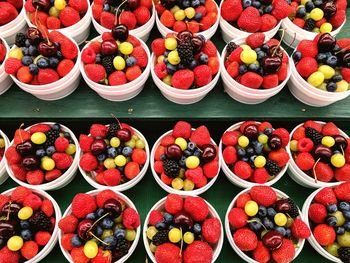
305,161
83,204
35,177
211,230
61,144
66,241
196,207
88,162
78,255
47,208
85,142
68,224
64,67
69,16
317,213
211,169
42,238
131,219
198,251
33,201
20,193
305,145
12,156
88,55
52,175
155,217
139,156
242,170
29,250
173,203
183,79
62,160
111,177
263,195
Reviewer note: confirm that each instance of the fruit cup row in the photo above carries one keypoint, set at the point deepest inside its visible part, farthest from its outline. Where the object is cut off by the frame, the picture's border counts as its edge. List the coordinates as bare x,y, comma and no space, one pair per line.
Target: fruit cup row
261,224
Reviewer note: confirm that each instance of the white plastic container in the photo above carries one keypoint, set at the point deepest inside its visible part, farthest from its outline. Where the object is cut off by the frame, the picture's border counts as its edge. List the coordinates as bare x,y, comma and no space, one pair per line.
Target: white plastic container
58,89
180,96
129,184
230,32
206,33
310,95
132,248
294,34
3,173
168,188
233,178
61,181
141,32
312,239
245,94
121,92
160,206
5,79
79,31
53,240
229,236
298,175
18,25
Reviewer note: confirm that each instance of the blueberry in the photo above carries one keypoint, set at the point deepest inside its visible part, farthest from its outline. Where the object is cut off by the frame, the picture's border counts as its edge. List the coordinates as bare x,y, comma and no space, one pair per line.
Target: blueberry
321,58
245,159
98,58
166,53
119,233
271,212
309,6
253,67
340,230
160,226
27,43
260,55
247,3
332,208
127,151
243,69
101,157
27,60
112,152
195,3
288,233
344,206
170,68
203,59
268,9
187,153
347,226
250,151
163,157
50,150
109,243
121,169
33,69
332,61
100,212
331,220
53,62
282,230
268,223
198,17
75,241
24,224
33,51
186,3
91,216
193,64
191,146
297,56
318,2
107,223
202,2
331,86
301,12
26,234
106,7
182,162
262,212
258,148
337,78
56,127
336,48
252,158
168,218
25,51
346,214
131,61
2,242
197,229
261,11
256,4
241,152
265,47
197,153
119,150
42,63
255,224
98,231
268,131
66,135
40,153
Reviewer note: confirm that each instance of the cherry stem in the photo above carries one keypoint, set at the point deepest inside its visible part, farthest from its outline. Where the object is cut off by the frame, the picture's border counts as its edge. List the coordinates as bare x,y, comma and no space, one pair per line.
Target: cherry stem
116,13
8,212
39,25
279,44
194,23
182,242
98,220
342,150
343,49
253,220
314,171
146,260
107,244
20,133
115,117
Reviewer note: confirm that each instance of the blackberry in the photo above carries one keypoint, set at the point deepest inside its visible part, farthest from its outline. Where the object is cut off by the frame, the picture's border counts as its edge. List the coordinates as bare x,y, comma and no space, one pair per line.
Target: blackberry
121,249
231,47
20,40
314,135
309,24
344,254
272,167
185,50
113,128
107,63
168,4
40,222
294,212
160,237
51,137
171,168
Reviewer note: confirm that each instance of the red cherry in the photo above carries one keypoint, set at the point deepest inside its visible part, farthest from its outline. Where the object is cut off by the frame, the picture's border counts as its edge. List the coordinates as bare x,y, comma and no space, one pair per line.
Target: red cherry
109,47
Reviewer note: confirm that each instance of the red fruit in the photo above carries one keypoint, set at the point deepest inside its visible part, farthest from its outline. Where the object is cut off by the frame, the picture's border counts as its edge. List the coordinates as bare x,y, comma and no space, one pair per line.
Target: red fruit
18,171
182,79
129,19
338,19
158,46
230,138
47,76
237,218
131,219
111,177
211,230
330,129
52,175
323,172
231,10
305,161
251,80
88,55
314,125
345,72
200,136
233,69
98,130
167,19
299,133
66,241
39,128
308,48
35,177
196,207
24,75
242,199
61,144
342,191
198,251
146,3
283,72
179,26
102,256
78,255
167,140
255,40
105,195
260,176
141,56
68,224
245,239
38,17
62,160
12,156
270,81
242,170
168,252
261,253
317,213
107,20
173,203
8,256
306,66
281,157
210,49
12,65
283,134
142,15
343,173
132,169
97,11
133,73
299,22
85,142
211,169
182,129
281,9
196,176
299,229
155,217
324,234
214,65
47,207
64,67
236,55
139,156
326,196
202,75
285,253
53,22
230,155
268,22
305,144
3,200
20,193
95,72
69,16
117,78
263,195
33,201
160,70
79,5
250,20
83,204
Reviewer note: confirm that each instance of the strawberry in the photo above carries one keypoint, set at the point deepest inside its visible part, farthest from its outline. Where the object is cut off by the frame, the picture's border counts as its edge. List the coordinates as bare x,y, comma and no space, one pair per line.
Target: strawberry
12,156
250,20
214,65
270,81
283,72
242,170
281,9
62,160
160,70
300,229
167,19
182,79
308,48
281,157
324,234
230,155
211,230
330,129
263,195
53,23
314,125
305,161
237,218
306,66
117,78
182,129
68,48
264,125
268,22
323,172
299,22
141,56
342,191
251,80
133,73
343,173
68,224
7,255
326,196
260,176
235,56
196,207
21,136
345,72
317,213
142,15
158,46
95,72
231,10
64,67
210,49
196,176
255,40
69,16
198,251
200,136
202,75
97,11
23,75
47,76
233,69
284,253
338,19
261,253
80,6
168,252
39,128
245,239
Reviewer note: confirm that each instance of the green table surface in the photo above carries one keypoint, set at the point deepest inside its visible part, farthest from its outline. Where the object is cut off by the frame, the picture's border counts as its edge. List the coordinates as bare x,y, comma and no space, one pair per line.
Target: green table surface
153,115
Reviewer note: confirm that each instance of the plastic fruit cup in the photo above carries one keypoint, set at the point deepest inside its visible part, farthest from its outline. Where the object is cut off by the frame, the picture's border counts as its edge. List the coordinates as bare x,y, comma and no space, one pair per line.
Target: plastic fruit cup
229,235
171,190
5,79
132,248
245,94
294,34
180,96
53,240
3,174
310,95
160,206
206,33
58,89
298,175
124,186
233,177
121,92
79,31
61,181
230,32
18,25
141,32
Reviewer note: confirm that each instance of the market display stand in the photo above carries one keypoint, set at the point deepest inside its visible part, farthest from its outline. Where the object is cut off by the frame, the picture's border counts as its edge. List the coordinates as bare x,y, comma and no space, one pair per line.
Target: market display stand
152,114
